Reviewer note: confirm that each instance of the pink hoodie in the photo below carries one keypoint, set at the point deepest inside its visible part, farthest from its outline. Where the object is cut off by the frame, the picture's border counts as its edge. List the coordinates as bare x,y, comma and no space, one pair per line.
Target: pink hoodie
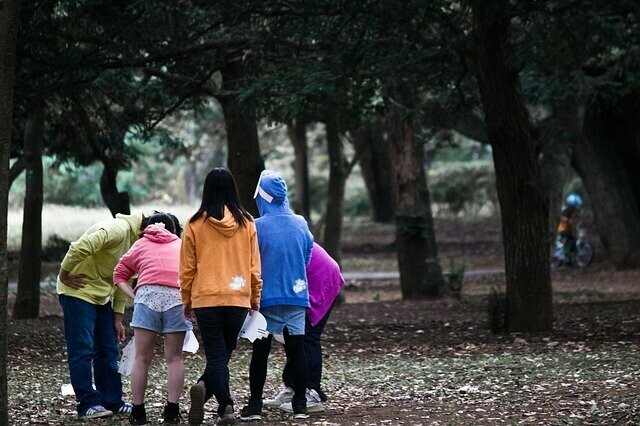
155,258
325,282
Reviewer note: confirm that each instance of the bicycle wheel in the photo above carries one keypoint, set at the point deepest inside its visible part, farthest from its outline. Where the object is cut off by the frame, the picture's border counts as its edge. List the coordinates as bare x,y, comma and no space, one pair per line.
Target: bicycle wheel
584,254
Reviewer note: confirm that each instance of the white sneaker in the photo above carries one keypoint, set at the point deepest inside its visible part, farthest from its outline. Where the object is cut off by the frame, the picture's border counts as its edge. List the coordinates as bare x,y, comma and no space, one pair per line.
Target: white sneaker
285,396
96,412
314,403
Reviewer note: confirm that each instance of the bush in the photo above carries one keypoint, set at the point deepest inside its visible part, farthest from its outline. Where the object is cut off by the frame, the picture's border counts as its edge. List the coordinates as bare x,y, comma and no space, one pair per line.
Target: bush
464,187
455,278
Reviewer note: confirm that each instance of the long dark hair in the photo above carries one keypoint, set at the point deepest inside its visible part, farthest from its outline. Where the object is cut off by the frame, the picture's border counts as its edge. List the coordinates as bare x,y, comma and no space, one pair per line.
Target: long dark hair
219,191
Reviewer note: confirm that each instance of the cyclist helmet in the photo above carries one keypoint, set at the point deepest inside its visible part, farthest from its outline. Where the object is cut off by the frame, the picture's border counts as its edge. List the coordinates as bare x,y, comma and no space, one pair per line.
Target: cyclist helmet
573,200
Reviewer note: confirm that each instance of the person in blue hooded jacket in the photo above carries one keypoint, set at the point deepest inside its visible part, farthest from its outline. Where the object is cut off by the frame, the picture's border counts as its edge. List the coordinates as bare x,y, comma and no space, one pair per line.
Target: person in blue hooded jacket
285,244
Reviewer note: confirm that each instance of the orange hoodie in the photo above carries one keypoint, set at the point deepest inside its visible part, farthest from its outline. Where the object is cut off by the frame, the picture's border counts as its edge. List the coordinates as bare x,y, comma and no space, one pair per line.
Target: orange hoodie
220,263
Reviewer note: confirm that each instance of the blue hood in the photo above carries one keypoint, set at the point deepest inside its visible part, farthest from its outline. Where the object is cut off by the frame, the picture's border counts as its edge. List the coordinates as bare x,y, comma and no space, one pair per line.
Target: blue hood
271,194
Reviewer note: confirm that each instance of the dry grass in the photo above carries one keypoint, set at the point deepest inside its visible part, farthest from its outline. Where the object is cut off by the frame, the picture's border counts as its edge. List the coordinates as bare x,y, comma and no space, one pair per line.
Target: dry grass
69,222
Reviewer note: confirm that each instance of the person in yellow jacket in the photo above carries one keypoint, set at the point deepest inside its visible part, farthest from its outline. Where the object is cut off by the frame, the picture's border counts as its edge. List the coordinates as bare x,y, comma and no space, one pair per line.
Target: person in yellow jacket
93,308
220,282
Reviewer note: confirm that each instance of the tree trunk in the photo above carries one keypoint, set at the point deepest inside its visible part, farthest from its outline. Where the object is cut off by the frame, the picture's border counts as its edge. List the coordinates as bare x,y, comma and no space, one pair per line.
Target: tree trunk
558,137
420,272
243,152
375,164
190,182
298,134
9,22
116,201
523,201
335,197
28,296
611,193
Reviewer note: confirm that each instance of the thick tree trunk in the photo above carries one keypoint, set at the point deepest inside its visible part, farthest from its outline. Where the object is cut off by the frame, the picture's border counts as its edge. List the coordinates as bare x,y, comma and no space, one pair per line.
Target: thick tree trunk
523,201
116,201
9,22
375,163
602,169
335,196
28,297
298,135
243,158
420,272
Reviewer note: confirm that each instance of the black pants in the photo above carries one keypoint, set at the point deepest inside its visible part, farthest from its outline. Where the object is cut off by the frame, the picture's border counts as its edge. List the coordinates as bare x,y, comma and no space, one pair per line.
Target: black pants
296,359
219,328
313,351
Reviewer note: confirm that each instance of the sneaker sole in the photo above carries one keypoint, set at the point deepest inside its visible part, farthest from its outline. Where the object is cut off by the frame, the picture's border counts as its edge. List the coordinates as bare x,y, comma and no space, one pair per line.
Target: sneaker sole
98,415
315,408
310,408
300,416
269,404
196,409
253,418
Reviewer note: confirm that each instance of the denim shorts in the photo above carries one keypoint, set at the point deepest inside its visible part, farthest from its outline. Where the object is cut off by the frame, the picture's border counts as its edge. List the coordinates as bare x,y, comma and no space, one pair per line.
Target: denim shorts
169,321
279,317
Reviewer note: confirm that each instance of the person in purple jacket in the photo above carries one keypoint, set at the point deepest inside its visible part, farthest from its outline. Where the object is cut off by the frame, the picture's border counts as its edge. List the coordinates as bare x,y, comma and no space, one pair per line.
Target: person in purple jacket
325,281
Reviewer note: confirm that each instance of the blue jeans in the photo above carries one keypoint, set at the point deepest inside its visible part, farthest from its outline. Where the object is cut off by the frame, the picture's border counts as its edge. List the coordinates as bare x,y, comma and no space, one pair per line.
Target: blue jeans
92,353
313,351
219,329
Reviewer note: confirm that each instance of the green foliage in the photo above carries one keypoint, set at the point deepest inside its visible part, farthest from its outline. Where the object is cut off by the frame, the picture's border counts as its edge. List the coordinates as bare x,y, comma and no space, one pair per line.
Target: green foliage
463,187
72,186
357,204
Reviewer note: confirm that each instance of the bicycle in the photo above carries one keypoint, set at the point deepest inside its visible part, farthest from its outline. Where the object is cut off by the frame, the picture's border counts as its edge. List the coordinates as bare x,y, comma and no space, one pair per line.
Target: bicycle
578,253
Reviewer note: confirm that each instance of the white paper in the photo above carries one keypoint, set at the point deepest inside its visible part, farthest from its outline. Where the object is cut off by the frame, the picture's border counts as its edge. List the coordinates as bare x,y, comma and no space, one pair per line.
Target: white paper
128,356
254,327
190,342
66,389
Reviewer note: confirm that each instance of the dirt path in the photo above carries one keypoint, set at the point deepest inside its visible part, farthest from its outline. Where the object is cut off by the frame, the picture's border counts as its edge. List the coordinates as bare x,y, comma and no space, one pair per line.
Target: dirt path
411,362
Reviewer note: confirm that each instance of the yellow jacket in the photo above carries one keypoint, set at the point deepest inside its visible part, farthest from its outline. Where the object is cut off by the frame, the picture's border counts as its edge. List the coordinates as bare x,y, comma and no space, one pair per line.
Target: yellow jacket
220,263
95,255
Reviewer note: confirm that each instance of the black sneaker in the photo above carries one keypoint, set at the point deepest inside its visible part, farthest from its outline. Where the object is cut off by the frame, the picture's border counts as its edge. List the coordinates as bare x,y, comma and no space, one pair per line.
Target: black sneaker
300,409
138,415
171,413
252,411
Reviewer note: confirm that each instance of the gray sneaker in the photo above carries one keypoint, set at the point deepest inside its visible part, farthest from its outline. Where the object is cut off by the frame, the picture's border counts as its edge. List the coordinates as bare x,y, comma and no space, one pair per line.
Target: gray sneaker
285,396
96,412
314,403
228,417
196,410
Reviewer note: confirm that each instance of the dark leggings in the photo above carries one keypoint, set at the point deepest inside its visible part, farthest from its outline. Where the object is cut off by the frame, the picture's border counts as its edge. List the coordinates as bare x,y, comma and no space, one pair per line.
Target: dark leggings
296,358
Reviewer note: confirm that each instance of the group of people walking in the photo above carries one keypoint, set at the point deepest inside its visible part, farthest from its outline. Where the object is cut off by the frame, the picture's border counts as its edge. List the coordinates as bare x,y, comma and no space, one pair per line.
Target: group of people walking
224,265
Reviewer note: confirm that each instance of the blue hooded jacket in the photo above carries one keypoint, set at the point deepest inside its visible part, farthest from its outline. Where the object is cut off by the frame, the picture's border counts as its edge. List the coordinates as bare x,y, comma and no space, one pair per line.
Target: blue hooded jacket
285,244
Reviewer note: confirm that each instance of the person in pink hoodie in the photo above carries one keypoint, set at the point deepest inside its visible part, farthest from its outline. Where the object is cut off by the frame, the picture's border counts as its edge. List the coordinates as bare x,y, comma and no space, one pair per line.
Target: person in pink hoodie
325,281
157,309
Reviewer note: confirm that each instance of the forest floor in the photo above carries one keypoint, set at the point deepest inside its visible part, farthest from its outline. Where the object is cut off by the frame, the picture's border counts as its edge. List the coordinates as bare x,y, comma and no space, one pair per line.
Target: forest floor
389,361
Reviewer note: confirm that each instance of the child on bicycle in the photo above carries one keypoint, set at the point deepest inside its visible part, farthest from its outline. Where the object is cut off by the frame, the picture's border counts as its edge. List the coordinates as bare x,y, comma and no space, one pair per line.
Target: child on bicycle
568,226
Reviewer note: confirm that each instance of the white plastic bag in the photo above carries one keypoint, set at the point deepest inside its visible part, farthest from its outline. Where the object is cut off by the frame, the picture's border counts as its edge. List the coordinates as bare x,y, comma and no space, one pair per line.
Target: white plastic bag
190,342
128,356
254,327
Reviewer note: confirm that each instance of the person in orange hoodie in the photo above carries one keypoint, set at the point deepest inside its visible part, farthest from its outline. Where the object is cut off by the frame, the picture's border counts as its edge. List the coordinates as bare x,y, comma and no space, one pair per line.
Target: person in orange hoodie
220,281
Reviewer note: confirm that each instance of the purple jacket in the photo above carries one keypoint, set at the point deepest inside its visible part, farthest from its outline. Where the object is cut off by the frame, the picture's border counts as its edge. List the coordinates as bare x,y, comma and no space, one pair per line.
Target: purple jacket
325,282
